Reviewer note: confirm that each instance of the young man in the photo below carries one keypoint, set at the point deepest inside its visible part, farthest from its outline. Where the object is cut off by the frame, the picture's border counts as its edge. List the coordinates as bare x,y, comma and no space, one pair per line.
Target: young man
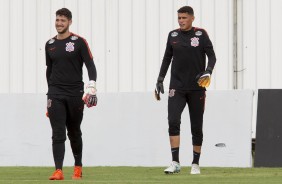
65,55
186,49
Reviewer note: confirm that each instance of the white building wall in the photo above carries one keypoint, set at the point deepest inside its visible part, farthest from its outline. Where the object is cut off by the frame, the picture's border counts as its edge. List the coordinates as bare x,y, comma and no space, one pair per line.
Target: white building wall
127,38
130,118
259,44
5,48
259,47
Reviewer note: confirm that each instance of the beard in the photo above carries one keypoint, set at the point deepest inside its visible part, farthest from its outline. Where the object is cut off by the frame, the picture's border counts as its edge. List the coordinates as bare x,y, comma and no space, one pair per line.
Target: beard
63,31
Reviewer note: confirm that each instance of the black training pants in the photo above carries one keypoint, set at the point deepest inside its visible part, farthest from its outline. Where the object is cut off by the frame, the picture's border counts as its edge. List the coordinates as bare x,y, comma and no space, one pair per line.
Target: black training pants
196,103
65,113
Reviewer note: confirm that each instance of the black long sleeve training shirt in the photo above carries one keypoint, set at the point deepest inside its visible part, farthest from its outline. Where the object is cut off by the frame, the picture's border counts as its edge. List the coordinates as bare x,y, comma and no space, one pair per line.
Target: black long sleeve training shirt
187,51
64,60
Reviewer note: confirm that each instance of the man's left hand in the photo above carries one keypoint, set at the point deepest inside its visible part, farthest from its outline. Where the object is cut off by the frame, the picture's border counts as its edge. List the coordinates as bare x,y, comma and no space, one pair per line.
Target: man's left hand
204,79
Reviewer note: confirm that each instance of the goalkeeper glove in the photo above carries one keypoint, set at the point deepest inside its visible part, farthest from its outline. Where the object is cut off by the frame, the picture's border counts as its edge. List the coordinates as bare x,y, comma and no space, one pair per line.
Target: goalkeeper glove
204,78
91,101
89,96
159,88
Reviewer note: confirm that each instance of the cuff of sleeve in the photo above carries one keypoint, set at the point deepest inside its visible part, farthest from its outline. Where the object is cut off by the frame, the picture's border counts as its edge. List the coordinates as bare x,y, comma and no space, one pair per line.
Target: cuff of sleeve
209,69
160,79
92,83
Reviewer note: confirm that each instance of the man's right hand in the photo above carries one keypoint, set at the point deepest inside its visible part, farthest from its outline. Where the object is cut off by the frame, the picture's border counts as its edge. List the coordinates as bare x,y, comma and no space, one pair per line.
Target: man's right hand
91,100
159,88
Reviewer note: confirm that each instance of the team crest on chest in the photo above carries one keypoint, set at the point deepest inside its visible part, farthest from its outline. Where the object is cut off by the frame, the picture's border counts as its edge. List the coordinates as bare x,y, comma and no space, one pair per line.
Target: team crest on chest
195,42
70,46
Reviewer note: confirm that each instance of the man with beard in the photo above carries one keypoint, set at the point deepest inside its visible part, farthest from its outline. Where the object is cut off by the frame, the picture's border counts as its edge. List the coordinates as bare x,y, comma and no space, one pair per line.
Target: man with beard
186,50
65,55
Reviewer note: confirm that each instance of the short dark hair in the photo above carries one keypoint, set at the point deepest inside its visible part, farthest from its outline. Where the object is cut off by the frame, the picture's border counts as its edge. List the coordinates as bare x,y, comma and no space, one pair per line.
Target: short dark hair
64,12
186,9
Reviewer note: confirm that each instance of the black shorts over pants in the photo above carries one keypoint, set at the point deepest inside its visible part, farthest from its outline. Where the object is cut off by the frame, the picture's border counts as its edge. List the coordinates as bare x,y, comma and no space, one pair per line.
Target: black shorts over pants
196,103
65,113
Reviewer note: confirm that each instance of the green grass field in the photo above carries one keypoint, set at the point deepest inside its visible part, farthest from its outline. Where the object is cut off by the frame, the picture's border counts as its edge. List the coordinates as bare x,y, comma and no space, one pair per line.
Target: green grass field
127,175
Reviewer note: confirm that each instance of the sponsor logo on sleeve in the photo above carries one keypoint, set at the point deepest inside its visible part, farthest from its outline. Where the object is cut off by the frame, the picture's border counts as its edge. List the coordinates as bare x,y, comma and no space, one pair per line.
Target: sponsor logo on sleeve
73,37
51,41
198,33
174,34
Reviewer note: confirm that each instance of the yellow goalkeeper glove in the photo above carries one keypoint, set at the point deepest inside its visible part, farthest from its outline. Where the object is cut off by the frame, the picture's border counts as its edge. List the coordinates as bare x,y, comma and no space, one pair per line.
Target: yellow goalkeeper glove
205,79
